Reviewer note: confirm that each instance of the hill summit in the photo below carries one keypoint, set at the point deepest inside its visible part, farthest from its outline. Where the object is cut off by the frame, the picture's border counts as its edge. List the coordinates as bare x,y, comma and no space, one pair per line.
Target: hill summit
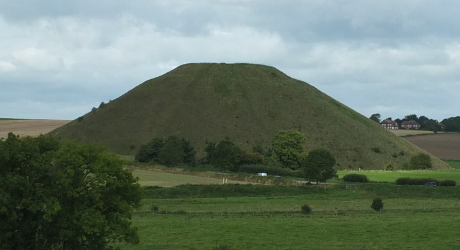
246,103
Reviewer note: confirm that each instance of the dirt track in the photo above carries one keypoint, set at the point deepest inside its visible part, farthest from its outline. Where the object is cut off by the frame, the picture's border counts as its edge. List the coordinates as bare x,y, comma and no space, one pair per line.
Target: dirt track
29,127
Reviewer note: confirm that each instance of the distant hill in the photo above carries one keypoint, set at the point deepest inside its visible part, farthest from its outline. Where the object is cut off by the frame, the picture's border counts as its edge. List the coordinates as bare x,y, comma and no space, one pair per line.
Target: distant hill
246,103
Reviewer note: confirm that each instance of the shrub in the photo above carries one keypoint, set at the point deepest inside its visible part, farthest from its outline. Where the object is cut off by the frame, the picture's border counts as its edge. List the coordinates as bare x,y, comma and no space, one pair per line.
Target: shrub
448,183
421,161
414,181
377,204
257,168
355,178
306,209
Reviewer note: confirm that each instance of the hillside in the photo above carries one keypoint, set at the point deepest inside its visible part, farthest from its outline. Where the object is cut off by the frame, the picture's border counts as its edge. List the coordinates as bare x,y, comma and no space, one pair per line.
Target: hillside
246,103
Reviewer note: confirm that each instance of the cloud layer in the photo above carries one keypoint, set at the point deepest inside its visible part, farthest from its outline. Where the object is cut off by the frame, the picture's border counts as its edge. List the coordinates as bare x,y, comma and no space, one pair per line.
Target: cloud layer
58,59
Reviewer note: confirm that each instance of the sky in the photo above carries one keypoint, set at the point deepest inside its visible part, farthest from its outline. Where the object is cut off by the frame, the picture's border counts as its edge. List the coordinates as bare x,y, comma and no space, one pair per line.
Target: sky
60,58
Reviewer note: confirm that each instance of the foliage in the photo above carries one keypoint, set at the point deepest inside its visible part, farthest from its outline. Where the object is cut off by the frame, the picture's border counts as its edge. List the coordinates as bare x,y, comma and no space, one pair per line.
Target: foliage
226,156
451,124
319,165
355,178
375,118
63,195
414,181
306,209
377,204
288,148
170,152
422,181
448,183
421,161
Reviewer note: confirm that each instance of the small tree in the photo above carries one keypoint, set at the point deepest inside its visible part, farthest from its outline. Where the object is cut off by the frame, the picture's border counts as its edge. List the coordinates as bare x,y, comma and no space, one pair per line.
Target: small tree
319,165
377,204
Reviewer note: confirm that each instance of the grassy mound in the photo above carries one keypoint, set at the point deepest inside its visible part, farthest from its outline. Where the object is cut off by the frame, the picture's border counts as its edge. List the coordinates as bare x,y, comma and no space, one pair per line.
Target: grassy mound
246,103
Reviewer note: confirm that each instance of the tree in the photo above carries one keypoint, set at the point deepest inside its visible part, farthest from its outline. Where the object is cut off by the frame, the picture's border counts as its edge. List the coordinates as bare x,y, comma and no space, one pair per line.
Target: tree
64,195
375,117
226,155
451,124
170,152
319,165
377,204
288,148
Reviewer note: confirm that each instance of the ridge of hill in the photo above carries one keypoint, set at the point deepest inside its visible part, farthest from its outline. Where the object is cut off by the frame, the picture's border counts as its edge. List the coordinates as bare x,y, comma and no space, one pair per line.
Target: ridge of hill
246,103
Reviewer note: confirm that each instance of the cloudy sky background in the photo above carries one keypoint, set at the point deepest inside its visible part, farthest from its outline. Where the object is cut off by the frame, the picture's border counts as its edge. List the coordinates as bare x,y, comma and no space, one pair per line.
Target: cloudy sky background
58,59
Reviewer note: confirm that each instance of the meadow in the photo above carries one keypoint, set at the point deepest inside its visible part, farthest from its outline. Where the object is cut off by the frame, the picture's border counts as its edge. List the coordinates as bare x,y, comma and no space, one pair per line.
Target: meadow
237,216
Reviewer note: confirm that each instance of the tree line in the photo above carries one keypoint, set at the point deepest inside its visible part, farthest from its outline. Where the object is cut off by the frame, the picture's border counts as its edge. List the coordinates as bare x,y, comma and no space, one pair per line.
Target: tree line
287,154
451,124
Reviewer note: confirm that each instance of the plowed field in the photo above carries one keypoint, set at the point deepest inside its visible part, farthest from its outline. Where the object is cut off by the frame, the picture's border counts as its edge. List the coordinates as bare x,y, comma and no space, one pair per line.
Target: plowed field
444,146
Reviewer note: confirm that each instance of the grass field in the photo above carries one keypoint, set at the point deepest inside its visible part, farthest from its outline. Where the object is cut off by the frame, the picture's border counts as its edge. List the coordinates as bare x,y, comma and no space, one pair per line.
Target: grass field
152,178
414,217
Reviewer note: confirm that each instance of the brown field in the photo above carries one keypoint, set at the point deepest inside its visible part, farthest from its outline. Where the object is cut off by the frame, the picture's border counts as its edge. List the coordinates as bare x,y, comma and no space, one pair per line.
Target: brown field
34,127
444,146
409,132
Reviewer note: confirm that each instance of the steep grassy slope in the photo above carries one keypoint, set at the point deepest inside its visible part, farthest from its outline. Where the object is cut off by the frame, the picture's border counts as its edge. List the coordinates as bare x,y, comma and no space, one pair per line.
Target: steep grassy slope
248,104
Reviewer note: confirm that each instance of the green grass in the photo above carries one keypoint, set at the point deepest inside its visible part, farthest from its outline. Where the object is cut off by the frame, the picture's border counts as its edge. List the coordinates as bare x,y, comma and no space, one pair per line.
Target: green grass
152,178
370,230
454,164
269,217
391,176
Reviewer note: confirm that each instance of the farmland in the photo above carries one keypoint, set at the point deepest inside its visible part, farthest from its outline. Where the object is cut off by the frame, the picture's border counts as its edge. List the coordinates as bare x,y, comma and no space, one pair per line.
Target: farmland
414,217
28,127
444,146
269,217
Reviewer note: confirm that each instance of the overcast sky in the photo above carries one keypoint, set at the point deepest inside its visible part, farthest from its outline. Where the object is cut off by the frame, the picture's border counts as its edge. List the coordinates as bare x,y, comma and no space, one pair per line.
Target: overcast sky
60,58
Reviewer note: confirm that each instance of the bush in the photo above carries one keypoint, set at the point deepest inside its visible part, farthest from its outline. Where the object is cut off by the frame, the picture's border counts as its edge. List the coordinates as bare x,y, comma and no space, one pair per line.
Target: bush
448,183
414,181
306,209
377,204
355,178
421,161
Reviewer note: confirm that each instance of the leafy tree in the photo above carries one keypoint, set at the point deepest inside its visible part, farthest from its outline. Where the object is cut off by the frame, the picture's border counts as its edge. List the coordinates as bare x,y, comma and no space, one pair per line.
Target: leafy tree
288,148
421,161
451,124
226,155
170,152
375,118
63,195
150,151
319,165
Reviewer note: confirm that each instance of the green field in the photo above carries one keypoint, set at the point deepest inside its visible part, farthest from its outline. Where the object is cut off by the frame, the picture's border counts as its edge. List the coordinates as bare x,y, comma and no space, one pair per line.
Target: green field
269,217
414,217
454,164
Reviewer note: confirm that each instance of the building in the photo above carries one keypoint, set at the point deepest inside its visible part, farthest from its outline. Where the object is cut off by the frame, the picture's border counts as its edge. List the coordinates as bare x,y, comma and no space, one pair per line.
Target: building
410,125
389,124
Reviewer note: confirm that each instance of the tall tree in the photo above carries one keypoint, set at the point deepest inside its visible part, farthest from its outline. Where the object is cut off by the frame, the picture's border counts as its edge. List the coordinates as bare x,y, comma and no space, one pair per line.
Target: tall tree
288,148
58,195
319,165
